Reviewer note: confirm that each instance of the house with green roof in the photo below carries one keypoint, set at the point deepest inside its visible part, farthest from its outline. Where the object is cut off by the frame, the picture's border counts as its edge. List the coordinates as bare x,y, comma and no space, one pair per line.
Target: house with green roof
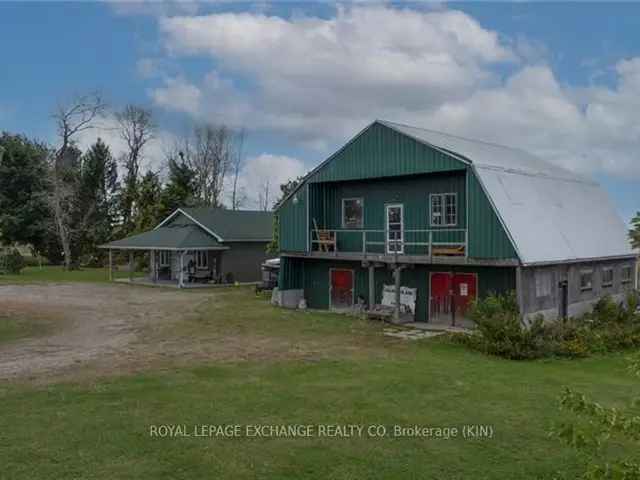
203,245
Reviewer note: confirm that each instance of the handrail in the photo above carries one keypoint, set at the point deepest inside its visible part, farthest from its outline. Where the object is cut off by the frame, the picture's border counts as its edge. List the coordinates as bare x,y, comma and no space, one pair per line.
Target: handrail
396,246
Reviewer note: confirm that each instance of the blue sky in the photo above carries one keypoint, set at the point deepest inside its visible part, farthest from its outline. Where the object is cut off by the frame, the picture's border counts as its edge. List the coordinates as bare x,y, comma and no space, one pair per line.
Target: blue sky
561,80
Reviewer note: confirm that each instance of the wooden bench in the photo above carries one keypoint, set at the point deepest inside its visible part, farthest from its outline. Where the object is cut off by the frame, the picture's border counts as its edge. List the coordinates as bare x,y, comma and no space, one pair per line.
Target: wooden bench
448,251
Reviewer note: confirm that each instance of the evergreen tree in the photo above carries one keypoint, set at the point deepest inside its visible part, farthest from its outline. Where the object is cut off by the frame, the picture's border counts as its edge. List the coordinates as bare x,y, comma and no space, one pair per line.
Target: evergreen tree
24,212
148,212
97,197
634,233
180,190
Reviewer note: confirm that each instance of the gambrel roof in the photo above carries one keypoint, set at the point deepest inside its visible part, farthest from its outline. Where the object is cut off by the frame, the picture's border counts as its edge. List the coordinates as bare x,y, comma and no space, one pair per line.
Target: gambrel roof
550,213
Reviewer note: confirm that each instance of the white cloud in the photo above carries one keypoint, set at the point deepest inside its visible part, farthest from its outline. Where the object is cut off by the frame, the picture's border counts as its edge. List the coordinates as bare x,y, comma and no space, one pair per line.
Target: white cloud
266,168
310,75
317,81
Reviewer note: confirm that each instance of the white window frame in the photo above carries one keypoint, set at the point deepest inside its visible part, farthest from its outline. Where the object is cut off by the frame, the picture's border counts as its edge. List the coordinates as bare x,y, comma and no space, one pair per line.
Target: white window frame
202,260
626,268
388,240
543,283
607,283
443,210
164,258
344,201
586,272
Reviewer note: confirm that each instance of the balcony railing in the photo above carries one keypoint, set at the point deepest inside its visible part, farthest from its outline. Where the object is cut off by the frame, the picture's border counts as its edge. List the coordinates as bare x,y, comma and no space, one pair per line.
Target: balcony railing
431,243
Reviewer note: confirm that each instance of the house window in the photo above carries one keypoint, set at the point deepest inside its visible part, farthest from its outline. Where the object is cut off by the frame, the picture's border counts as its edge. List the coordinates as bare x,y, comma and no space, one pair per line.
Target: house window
543,284
201,259
165,258
607,277
627,273
586,277
444,210
352,212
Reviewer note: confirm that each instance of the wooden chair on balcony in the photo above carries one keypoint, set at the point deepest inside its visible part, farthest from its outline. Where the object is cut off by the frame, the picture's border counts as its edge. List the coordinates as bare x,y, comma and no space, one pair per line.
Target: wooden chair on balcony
326,239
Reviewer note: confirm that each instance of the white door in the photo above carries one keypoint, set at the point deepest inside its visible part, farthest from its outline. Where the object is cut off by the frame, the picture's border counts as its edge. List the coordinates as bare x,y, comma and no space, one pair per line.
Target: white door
395,228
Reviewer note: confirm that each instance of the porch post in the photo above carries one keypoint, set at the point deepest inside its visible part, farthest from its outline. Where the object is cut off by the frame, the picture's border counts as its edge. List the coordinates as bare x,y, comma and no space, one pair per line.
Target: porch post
152,264
130,266
181,278
372,286
396,274
110,266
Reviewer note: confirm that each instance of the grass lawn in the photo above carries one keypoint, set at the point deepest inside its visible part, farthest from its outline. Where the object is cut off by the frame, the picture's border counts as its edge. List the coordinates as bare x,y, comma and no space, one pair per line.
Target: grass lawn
59,274
101,429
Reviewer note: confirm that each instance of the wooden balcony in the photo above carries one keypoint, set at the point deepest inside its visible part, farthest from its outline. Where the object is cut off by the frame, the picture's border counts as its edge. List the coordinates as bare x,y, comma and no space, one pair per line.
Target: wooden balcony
398,246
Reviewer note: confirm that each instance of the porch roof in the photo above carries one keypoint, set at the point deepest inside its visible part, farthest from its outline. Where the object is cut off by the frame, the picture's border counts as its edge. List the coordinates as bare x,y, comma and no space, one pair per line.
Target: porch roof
172,237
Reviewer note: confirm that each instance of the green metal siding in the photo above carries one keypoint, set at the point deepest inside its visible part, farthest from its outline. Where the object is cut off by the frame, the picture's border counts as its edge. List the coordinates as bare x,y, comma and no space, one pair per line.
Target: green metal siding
487,237
384,166
412,192
292,223
315,280
291,274
382,152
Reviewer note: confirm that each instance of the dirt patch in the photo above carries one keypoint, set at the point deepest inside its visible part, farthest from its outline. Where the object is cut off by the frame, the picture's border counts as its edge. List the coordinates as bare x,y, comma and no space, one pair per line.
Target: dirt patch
93,324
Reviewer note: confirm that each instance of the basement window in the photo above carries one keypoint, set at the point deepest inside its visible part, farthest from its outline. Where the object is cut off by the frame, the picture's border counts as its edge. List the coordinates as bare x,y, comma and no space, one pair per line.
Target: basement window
444,209
627,274
201,259
543,284
165,258
352,212
586,279
607,277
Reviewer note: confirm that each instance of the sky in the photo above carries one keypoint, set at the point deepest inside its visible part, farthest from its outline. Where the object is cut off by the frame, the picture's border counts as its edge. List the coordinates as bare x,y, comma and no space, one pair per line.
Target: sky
561,80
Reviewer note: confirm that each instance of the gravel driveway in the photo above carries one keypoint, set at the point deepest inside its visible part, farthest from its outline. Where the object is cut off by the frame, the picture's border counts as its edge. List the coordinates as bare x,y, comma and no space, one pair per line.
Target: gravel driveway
93,324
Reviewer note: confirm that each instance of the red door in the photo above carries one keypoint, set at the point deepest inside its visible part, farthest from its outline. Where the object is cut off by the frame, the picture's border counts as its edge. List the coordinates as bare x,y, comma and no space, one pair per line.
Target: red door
341,288
464,291
440,308
451,296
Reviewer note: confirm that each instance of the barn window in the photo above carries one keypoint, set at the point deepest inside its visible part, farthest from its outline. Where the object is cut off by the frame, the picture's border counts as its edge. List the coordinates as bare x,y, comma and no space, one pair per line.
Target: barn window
543,284
444,210
586,279
627,273
607,277
352,212
201,259
165,258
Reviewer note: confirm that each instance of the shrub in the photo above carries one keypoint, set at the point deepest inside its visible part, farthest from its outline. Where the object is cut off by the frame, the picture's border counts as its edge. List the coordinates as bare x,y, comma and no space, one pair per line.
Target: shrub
11,262
609,327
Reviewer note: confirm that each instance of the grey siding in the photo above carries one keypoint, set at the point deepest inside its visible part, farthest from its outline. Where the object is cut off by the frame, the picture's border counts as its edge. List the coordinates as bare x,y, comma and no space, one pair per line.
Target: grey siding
243,260
579,301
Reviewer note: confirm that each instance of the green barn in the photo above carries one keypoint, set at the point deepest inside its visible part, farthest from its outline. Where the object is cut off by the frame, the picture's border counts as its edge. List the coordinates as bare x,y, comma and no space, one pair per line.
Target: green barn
446,220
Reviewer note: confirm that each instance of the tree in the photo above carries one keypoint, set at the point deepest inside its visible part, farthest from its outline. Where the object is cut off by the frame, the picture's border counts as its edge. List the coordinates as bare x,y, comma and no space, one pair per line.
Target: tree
98,197
71,119
24,212
593,427
136,129
263,197
179,190
148,204
238,195
207,152
634,233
